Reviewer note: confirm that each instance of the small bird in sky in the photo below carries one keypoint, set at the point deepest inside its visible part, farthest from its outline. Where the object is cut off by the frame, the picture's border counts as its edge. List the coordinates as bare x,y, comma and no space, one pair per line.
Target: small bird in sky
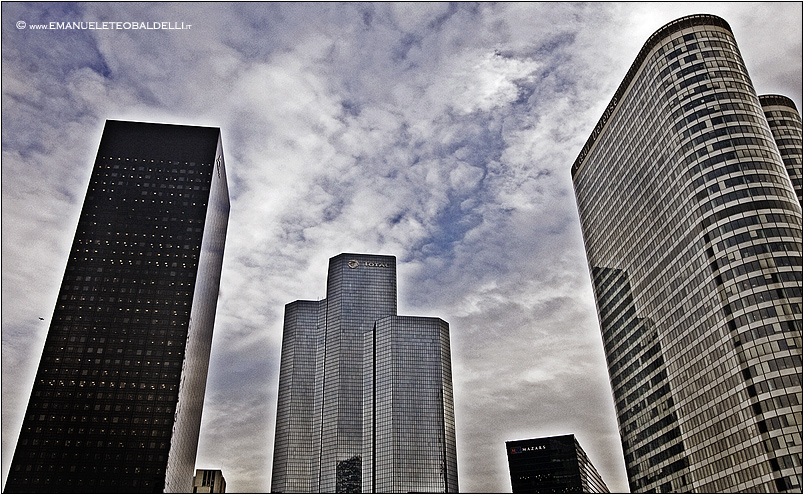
41,318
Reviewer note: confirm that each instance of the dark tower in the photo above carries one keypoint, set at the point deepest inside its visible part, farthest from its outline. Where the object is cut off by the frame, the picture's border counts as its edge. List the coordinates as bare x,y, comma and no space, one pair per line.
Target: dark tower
552,465
116,404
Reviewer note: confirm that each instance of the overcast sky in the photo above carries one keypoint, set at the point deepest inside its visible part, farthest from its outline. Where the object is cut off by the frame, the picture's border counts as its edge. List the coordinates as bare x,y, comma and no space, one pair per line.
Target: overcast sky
442,134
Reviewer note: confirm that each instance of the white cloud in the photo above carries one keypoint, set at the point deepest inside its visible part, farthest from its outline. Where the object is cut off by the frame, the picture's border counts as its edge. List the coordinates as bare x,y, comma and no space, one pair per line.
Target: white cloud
482,82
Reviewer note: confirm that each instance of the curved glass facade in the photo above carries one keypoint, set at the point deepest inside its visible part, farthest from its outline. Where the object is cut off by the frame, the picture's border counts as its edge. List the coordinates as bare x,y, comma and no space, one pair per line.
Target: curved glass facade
693,236
785,124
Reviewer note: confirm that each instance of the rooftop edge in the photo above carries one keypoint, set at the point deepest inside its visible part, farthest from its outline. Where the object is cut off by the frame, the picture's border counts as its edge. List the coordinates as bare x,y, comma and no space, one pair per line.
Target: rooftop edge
653,40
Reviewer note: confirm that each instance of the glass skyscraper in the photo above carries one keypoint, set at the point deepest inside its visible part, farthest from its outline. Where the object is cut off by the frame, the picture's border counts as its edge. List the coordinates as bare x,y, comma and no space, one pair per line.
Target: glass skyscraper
552,465
785,124
116,403
408,415
686,191
365,396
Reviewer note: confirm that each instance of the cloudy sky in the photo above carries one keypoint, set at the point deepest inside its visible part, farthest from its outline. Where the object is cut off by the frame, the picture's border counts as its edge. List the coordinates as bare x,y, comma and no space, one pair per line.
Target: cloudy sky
442,134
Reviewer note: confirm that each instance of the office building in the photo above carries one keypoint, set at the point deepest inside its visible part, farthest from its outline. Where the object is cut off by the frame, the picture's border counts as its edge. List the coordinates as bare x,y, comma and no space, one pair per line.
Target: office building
785,124
692,229
209,481
408,415
294,449
116,403
365,396
552,465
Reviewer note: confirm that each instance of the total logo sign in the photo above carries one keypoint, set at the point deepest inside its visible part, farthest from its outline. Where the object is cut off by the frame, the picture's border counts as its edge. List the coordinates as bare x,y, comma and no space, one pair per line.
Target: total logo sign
354,264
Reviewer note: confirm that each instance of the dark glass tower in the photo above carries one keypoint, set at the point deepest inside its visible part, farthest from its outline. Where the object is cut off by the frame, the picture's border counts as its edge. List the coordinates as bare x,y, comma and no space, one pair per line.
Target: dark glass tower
363,393
116,404
693,232
552,465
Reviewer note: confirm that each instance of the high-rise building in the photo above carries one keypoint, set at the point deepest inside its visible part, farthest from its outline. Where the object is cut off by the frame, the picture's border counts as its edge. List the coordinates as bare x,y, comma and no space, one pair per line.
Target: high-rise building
693,233
408,415
785,124
116,403
294,449
209,481
365,396
552,465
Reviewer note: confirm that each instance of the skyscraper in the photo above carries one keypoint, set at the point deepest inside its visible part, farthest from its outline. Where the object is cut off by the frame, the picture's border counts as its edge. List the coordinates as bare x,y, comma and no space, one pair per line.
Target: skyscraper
552,465
785,124
209,481
692,230
116,403
365,396
408,414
